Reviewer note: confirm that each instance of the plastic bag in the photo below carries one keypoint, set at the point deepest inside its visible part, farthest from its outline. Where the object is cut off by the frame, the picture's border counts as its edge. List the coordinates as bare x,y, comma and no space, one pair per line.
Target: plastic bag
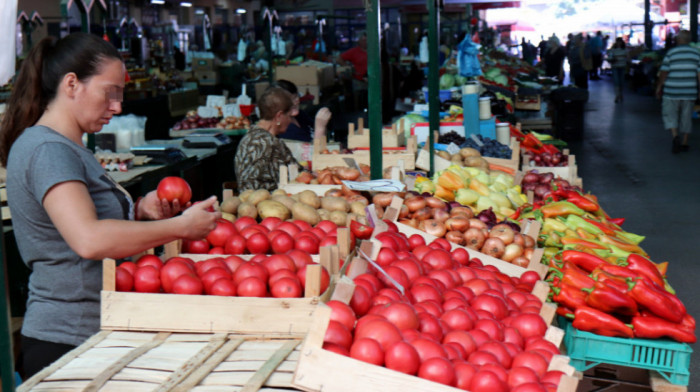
423,50
242,50
467,58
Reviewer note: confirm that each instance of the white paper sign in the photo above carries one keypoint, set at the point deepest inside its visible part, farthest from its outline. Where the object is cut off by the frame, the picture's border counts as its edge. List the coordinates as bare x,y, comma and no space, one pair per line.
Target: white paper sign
452,149
207,112
231,110
376,185
216,101
476,140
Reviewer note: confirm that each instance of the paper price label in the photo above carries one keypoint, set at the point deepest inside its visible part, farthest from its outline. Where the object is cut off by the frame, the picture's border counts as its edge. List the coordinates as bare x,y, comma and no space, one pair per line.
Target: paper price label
452,149
207,112
231,110
476,140
216,101
376,185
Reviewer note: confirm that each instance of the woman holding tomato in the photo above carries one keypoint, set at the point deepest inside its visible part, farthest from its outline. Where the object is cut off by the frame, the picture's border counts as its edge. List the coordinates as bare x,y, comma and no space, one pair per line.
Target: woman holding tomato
67,212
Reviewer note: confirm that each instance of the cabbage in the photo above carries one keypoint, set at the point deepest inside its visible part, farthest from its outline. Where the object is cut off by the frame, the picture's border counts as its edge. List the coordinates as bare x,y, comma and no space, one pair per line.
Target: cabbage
408,121
447,81
492,73
460,80
501,79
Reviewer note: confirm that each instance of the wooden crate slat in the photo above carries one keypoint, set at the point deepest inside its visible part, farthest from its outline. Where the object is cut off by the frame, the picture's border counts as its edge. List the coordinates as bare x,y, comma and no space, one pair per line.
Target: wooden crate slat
128,336
210,364
104,352
127,386
242,366
149,375
192,363
241,378
260,377
83,368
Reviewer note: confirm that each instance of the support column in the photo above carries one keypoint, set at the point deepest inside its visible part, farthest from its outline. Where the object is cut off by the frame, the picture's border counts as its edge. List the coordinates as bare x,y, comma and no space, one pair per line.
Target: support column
433,78
694,20
374,89
7,362
647,25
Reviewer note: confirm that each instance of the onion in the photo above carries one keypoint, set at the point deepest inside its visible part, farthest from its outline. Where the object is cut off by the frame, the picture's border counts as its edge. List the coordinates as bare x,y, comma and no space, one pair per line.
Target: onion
440,215
545,178
455,236
530,186
462,210
434,202
403,211
518,239
530,177
380,211
333,193
511,252
359,198
410,222
529,241
521,261
435,228
488,217
493,247
423,214
453,204
382,199
415,203
504,232
527,252
474,238
477,224
458,223
414,193
541,190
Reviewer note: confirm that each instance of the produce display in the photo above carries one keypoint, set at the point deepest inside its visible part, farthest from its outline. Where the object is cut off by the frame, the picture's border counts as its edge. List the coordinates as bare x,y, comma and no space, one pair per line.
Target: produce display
488,147
193,121
544,185
333,175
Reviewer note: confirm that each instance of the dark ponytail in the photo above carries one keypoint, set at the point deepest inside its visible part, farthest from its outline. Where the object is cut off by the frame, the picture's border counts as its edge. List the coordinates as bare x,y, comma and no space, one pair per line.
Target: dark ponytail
40,75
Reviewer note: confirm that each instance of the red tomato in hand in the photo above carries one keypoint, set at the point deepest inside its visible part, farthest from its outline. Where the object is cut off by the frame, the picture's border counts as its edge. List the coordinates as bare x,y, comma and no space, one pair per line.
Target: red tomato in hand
124,279
147,280
188,284
172,188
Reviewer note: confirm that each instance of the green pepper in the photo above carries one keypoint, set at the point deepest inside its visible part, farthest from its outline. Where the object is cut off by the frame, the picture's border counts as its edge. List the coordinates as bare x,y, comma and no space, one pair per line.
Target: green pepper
551,224
575,222
560,208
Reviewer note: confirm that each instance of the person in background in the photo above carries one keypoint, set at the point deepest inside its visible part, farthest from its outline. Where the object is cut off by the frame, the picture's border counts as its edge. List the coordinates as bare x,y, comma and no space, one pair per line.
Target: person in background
303,127
529,52
553,59
595,44
261,152
179,58
617,57
357,56
67,212
542,47
579,62
679,76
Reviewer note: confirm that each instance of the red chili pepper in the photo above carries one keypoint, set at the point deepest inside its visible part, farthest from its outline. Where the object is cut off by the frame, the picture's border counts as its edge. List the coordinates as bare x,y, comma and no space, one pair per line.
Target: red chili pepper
576,277
550,148
581,202
563,311
515,132
616,270
617,221
651,327
586,261
615,281
645,267
601,323
531,141
656,300
569,296
610,300
688,322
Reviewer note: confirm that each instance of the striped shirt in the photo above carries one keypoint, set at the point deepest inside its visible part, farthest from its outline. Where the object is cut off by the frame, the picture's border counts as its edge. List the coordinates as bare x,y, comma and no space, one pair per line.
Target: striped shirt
617,58
683,65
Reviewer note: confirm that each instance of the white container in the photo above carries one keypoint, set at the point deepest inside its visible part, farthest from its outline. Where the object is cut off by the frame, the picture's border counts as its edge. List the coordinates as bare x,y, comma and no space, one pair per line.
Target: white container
471,88
484,108
503,133
123,142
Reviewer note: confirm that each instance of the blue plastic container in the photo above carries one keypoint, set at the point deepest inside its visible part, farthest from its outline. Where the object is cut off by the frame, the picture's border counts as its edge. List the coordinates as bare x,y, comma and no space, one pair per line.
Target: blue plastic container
586,350
470,105
487,128
444,95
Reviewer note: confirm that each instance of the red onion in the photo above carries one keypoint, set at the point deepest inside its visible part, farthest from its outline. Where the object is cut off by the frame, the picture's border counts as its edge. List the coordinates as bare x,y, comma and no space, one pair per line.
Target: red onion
545,178
530,177
541,190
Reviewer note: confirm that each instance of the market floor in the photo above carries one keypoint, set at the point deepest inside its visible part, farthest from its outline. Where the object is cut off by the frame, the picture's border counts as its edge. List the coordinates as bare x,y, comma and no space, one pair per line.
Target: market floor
625,158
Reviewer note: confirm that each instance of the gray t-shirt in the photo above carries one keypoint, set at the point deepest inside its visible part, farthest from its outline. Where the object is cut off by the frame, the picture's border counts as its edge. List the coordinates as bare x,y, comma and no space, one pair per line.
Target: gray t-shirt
64,299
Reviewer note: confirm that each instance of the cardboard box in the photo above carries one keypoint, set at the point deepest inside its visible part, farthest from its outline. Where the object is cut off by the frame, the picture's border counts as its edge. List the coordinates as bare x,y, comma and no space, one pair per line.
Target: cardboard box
202,65
207,78
260,88
306,75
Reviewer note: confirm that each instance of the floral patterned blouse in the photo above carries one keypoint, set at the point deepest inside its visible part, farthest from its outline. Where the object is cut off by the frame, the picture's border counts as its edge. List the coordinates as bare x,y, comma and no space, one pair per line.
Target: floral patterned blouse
258,159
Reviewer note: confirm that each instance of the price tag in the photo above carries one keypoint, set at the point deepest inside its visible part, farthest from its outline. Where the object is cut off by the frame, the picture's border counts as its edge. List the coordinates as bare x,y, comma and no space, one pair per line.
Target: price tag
376,185
216,101
452,149
207,112
476,140
420,107
231,110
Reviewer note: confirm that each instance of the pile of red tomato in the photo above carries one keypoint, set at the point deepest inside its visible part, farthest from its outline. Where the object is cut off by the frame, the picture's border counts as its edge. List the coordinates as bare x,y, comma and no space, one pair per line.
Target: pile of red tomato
279,276
271,236
457,322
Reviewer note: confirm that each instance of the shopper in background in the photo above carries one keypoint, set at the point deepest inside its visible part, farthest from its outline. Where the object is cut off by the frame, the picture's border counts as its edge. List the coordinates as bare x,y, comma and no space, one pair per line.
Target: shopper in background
617,57
579,62
261,153
303,127
553,59
595,44
67,212
679,76
542,47
357,56
179,58
529,52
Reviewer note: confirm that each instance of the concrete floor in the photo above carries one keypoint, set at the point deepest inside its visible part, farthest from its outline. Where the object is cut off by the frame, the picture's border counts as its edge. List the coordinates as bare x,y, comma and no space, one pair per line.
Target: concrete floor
625,159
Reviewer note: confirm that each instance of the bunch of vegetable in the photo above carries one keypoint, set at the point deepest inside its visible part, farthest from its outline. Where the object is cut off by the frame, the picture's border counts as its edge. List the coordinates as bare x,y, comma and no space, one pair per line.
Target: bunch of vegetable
193,121
334,175
544,184
489,147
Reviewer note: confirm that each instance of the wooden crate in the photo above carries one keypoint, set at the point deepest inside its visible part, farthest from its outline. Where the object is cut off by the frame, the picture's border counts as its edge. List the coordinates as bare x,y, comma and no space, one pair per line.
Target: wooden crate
391,137
423,159
528,102
288,174
405,159
568,172
514,161
163,361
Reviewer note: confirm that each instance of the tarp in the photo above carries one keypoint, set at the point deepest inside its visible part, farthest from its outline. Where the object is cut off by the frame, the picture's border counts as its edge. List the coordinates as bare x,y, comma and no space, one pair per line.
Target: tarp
8,37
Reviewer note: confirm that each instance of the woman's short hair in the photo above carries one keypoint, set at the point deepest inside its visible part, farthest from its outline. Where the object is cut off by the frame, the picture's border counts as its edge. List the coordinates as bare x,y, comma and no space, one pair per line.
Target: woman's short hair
287,85
274,100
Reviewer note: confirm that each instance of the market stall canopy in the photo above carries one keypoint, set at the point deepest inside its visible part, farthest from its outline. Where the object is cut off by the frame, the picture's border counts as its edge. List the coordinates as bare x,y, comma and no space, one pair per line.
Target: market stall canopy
8,35
612,15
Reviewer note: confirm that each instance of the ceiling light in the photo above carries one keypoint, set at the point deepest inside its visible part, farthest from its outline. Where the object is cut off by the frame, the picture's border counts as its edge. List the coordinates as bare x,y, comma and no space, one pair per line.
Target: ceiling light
241,11
157,1
199,11
185,4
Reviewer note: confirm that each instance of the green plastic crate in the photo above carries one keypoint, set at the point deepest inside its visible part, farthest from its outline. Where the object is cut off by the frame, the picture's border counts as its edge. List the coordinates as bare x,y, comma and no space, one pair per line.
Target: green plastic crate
586,350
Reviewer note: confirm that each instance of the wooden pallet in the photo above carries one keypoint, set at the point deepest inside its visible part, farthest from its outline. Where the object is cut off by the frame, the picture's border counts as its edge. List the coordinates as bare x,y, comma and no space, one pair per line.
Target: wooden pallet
568,172
405,159
163,361
391,137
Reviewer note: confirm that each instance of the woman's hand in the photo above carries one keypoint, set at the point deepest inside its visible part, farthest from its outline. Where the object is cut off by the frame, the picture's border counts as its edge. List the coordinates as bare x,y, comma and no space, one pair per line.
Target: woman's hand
321,121
151,208
201,219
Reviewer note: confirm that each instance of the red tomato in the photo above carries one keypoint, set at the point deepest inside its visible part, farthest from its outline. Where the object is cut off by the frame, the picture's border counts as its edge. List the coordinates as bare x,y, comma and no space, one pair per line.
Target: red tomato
402,357
233,262
521,375
286,288
479,358
258,243
430,326
439,370
492,304
271,222
463,338
235,245
424,292
540,343
402,315
205,265
530,387
487,381
147,280
454,351
375,283
253,229
129,266
274,263
497,369
511,335
223,230
327,226
420,251
172,188
443,276
328,240
342,313
397,275
499,350
303,226
460,255
476,285
382,331
493,328
415,240
458,319
531,360
360,231
188,284
428,348
243,222
124,279
325,278
438,259
307,244
223,287
552,377
212,275
152,260
367,350
251,286
410,267
196,246
336,349
249,269
299,257
529,278
217,250
360,301
339,334
289,228
282,243
172,270
529,324
464,372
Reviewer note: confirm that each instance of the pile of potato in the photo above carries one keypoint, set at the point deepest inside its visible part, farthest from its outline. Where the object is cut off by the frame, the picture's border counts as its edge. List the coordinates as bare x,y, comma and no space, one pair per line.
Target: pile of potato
466,156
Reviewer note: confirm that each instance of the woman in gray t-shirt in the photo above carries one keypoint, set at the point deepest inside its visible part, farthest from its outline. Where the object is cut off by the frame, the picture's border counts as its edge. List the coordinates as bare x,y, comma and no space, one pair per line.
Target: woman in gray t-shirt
66,211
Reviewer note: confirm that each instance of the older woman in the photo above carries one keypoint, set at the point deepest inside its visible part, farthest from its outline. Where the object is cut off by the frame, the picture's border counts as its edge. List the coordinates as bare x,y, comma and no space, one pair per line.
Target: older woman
261,153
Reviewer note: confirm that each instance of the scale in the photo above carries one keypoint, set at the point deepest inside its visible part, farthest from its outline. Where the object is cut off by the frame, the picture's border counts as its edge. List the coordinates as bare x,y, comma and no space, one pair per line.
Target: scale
161,154
205,139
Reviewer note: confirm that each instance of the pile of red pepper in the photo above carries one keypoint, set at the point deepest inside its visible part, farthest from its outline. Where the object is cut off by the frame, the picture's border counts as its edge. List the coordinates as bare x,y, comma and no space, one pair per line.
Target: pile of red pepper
625,299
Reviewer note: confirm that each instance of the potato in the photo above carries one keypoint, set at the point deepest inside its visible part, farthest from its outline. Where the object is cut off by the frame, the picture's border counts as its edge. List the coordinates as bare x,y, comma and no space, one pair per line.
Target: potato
247,209
335,204
279,192
295,197
228,217
310,198
358,208
475,161
230,204
340,218
306,213
245,194
258,196
285,200
271,208
456,159
324,214
469,152
444,154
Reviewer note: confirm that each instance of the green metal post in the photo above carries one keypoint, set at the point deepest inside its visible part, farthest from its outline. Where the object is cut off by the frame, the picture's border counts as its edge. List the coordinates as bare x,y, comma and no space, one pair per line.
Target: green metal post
374,79
694,20
648,25
7,367
433,78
